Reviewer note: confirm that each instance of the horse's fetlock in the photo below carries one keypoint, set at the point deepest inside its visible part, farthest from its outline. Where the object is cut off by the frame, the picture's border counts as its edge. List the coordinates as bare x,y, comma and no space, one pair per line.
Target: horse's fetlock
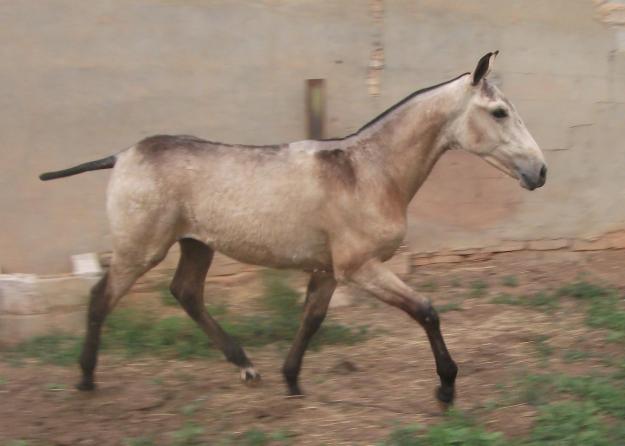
448,372
236,355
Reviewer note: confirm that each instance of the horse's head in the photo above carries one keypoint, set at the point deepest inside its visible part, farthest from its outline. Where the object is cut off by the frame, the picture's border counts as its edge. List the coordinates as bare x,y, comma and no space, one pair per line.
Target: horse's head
490,127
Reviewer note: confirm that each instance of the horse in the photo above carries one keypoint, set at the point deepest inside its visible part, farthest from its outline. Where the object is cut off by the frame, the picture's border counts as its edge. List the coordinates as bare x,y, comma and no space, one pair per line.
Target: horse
334,208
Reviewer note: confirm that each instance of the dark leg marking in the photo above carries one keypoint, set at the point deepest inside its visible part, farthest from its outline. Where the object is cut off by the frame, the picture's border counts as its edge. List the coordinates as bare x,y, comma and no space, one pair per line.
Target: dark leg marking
98,309
446,368
382,283
188,288
318,295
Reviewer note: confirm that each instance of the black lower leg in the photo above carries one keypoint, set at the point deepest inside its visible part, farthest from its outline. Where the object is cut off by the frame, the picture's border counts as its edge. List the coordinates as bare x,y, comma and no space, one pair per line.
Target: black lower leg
446,368
188,288
193,304
98,307
293,363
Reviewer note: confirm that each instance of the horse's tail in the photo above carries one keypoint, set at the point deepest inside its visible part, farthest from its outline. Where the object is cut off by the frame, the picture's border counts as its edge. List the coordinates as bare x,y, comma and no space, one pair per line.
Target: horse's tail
104,163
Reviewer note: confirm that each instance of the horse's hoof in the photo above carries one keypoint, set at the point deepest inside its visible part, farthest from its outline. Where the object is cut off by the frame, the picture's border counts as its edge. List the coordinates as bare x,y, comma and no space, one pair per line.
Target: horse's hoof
445,396
85,386
250,376
295,391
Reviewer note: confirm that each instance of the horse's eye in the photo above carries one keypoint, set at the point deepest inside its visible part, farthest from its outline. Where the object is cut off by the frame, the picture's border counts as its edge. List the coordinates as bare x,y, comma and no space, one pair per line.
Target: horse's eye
499,113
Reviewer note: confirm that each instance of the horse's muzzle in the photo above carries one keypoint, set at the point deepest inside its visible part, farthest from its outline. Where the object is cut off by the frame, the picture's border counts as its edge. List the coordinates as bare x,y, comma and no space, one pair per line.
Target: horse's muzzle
535,180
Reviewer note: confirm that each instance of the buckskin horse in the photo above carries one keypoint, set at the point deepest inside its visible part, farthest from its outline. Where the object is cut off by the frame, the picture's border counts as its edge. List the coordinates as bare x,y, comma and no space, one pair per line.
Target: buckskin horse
334,208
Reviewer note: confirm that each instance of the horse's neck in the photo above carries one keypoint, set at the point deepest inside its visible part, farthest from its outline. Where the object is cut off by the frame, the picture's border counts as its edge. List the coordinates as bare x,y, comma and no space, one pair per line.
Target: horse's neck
409,140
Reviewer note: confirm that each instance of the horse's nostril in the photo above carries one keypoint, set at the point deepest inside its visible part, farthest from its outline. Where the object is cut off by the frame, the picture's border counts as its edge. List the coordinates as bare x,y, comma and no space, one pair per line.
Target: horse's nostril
543,172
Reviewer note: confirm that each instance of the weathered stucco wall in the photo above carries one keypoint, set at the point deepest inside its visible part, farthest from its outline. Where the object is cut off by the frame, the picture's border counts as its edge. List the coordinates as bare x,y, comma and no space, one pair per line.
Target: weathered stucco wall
85,79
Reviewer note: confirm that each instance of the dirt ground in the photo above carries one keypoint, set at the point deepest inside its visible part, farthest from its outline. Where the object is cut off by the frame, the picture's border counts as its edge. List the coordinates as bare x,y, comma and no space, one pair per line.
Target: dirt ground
355,394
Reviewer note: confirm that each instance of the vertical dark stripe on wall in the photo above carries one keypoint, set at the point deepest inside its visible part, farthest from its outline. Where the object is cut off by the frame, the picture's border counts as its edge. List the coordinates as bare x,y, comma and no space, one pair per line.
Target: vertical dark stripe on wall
315,108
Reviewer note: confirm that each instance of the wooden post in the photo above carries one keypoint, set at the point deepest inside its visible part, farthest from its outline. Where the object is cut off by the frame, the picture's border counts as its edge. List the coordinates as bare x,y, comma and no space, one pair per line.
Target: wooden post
315,107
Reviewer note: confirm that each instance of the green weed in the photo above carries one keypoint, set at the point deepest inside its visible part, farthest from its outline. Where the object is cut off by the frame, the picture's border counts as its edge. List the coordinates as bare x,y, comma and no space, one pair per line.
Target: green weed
605,307
17,443
541,300
570,423
543,349
188,435
510,281
505,299
451,306
456,430
575,355
58,349
428,286
139,441
167,298
479,288
455,282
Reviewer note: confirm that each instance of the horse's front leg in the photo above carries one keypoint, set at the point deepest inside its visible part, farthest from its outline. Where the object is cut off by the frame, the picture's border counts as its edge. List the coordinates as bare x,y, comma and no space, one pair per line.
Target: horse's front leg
378,280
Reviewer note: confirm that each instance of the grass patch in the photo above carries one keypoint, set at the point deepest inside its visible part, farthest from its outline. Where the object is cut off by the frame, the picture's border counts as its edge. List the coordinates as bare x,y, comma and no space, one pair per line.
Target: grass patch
606,393
139,441
562,423
570,423
167,298
451,306
479,288
605,308
456,430
56,348
541,300
542,347
257,437
188,435
510,281
583,290
575,355
505,299
131,332
428,286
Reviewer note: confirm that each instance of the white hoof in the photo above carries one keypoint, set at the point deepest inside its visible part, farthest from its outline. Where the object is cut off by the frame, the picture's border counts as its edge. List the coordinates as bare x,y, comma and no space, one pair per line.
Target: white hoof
249,375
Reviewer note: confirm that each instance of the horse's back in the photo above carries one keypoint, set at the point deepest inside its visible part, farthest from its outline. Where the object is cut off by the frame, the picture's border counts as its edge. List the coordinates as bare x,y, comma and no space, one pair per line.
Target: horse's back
258,204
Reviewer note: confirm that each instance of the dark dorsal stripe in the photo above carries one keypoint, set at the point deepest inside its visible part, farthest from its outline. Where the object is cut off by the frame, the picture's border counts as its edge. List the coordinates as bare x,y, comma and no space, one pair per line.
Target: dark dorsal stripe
388,111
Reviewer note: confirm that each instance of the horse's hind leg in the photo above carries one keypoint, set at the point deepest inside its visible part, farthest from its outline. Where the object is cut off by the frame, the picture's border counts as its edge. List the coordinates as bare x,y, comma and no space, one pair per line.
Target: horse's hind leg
188,288
318,295
104,296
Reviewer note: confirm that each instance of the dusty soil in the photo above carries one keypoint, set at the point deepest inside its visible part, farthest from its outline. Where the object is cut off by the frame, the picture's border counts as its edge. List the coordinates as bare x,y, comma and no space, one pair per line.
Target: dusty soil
355,394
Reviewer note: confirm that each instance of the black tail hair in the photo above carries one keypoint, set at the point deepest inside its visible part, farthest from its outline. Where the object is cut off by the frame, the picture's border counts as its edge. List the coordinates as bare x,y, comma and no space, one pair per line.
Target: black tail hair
104,163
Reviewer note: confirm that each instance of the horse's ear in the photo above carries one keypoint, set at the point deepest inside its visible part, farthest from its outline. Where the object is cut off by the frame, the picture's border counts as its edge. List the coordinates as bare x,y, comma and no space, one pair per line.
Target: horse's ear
483,67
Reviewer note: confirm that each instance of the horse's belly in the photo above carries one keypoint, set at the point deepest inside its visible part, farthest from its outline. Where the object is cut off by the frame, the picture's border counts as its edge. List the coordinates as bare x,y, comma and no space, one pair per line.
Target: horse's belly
304,249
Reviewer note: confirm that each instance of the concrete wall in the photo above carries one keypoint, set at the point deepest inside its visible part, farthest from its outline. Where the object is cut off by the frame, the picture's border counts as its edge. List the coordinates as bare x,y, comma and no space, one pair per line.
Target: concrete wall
86,79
